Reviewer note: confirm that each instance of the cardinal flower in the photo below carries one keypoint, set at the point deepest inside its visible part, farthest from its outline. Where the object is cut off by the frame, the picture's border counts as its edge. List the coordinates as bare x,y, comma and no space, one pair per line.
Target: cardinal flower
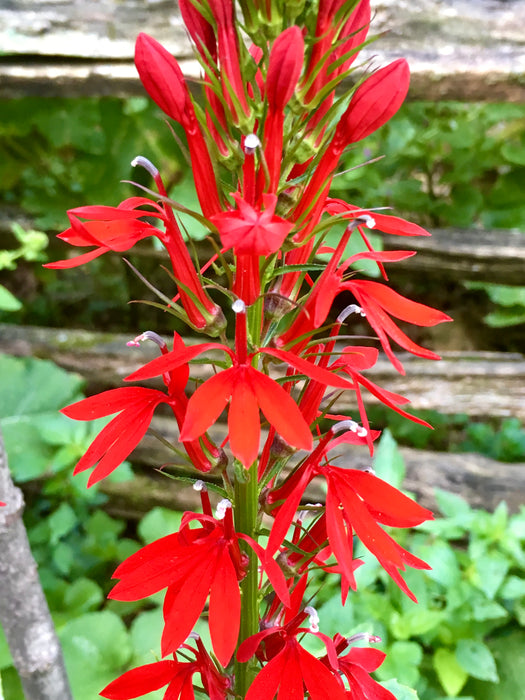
379,302
247,389
108,229
194,564
177,675
357,666
356,503
252,231
290,670
162,78
135,407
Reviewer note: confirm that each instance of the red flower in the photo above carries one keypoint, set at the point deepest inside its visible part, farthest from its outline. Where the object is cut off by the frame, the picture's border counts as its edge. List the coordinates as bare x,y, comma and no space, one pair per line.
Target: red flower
356,501
120,437
284,69
374,102
109,229
378,301
177,674
252,231
290,668
194,564
357,666
249,390
135,406
234,89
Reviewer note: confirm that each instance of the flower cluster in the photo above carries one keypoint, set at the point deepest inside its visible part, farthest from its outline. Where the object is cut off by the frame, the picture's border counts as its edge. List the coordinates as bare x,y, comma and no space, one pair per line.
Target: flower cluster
264,142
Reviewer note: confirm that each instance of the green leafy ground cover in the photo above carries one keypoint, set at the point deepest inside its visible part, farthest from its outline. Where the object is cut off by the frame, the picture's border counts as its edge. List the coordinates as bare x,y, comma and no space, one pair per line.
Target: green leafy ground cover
464,639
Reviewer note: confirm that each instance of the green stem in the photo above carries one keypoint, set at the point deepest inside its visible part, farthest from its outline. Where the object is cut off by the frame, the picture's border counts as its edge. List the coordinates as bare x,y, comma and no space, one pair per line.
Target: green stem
246,511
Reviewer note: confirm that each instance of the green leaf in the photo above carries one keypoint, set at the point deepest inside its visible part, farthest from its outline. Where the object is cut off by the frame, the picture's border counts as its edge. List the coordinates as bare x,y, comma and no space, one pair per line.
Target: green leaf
61,521
96,648
158,523
389,464
32,391
450,504
514,587
443,560
401,692
83,595
509,652
6,659
476,659
402,662
415,622
8,302
63,557
145,635
490,570
451,675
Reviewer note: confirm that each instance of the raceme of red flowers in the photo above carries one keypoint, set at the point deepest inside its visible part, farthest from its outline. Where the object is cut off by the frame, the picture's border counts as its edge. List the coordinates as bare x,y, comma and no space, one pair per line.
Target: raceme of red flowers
264,140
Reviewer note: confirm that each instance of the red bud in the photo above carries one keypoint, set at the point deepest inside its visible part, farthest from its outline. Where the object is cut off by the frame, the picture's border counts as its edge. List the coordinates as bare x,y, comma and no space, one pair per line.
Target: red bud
286,62
374,102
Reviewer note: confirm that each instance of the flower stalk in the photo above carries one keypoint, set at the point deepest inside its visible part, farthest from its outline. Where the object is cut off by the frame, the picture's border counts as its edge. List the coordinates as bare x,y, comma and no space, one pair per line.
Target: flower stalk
265,143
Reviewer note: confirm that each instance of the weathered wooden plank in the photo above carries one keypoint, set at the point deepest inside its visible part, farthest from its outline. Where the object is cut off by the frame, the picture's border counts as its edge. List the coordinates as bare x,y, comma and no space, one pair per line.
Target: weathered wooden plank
455,254
463,254
479,384
457,49
483,482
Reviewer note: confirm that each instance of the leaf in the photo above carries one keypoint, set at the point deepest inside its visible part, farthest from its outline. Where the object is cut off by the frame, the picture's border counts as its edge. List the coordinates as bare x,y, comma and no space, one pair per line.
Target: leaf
489,572
83,595
476,659
61,521
96,647
415,622
450,504
444,562
402,662
509,652
401,692
32,391
8,302
145,635
451,675
158,523
389,464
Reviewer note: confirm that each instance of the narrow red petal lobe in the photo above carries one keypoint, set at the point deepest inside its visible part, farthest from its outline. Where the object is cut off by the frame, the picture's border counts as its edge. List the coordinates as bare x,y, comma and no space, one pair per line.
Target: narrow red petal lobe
206,404
140,681
281,411
225,609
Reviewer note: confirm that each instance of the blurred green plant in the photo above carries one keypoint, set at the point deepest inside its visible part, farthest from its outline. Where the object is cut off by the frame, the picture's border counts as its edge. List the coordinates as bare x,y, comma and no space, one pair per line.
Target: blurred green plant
32,243
502,440
56,154
75,543
470,616
449,164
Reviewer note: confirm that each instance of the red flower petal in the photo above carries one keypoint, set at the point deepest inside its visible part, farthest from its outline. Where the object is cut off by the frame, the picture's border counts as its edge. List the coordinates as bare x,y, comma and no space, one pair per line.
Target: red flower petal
140,681
206,404
243,419
281,411
225,609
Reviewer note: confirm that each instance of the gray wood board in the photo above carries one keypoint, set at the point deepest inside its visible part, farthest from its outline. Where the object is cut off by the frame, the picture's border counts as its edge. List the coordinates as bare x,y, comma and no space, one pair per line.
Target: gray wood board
479,384
457,49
